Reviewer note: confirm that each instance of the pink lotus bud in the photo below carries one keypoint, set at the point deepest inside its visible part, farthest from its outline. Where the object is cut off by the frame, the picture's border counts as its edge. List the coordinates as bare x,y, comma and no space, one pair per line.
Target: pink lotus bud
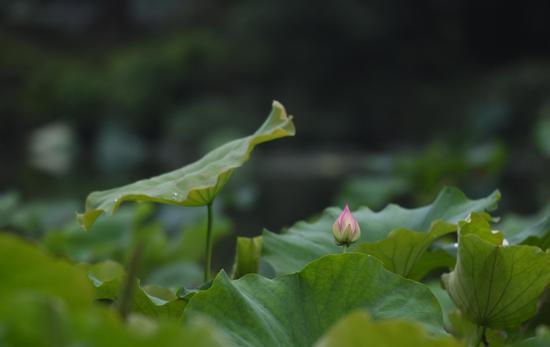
346,229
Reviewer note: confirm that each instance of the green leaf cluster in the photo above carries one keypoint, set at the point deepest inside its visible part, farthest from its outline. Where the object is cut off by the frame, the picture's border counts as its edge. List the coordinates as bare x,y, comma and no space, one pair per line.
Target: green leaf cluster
292,288
196,184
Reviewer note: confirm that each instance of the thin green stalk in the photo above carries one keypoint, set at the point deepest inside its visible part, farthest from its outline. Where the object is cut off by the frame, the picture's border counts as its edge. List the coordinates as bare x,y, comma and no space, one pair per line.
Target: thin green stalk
126,295
208,261
344,248
482,337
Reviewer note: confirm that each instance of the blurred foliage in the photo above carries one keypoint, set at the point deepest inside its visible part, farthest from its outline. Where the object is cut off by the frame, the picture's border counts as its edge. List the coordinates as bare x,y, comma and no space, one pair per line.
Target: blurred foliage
174,239
96,93
421,173
49,303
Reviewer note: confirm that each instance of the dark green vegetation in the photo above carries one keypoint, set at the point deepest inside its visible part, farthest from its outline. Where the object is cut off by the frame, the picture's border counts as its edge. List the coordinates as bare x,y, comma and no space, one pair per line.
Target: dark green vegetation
292,288
395,101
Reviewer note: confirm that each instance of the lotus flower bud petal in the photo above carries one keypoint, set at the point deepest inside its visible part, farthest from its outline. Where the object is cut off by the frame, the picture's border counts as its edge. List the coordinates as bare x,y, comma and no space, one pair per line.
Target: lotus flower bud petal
346,229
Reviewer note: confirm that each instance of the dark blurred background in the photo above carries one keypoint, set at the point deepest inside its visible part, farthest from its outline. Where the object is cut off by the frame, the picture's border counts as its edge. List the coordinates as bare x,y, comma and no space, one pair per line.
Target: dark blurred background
392,101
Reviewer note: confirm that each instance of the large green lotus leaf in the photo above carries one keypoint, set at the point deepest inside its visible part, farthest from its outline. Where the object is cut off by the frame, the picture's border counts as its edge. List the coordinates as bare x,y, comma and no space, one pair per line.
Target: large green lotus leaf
445,301
497,286
459,326
292,249
536,235
431,260
296,309
25,268
358,329
403,249
196,184
480,225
